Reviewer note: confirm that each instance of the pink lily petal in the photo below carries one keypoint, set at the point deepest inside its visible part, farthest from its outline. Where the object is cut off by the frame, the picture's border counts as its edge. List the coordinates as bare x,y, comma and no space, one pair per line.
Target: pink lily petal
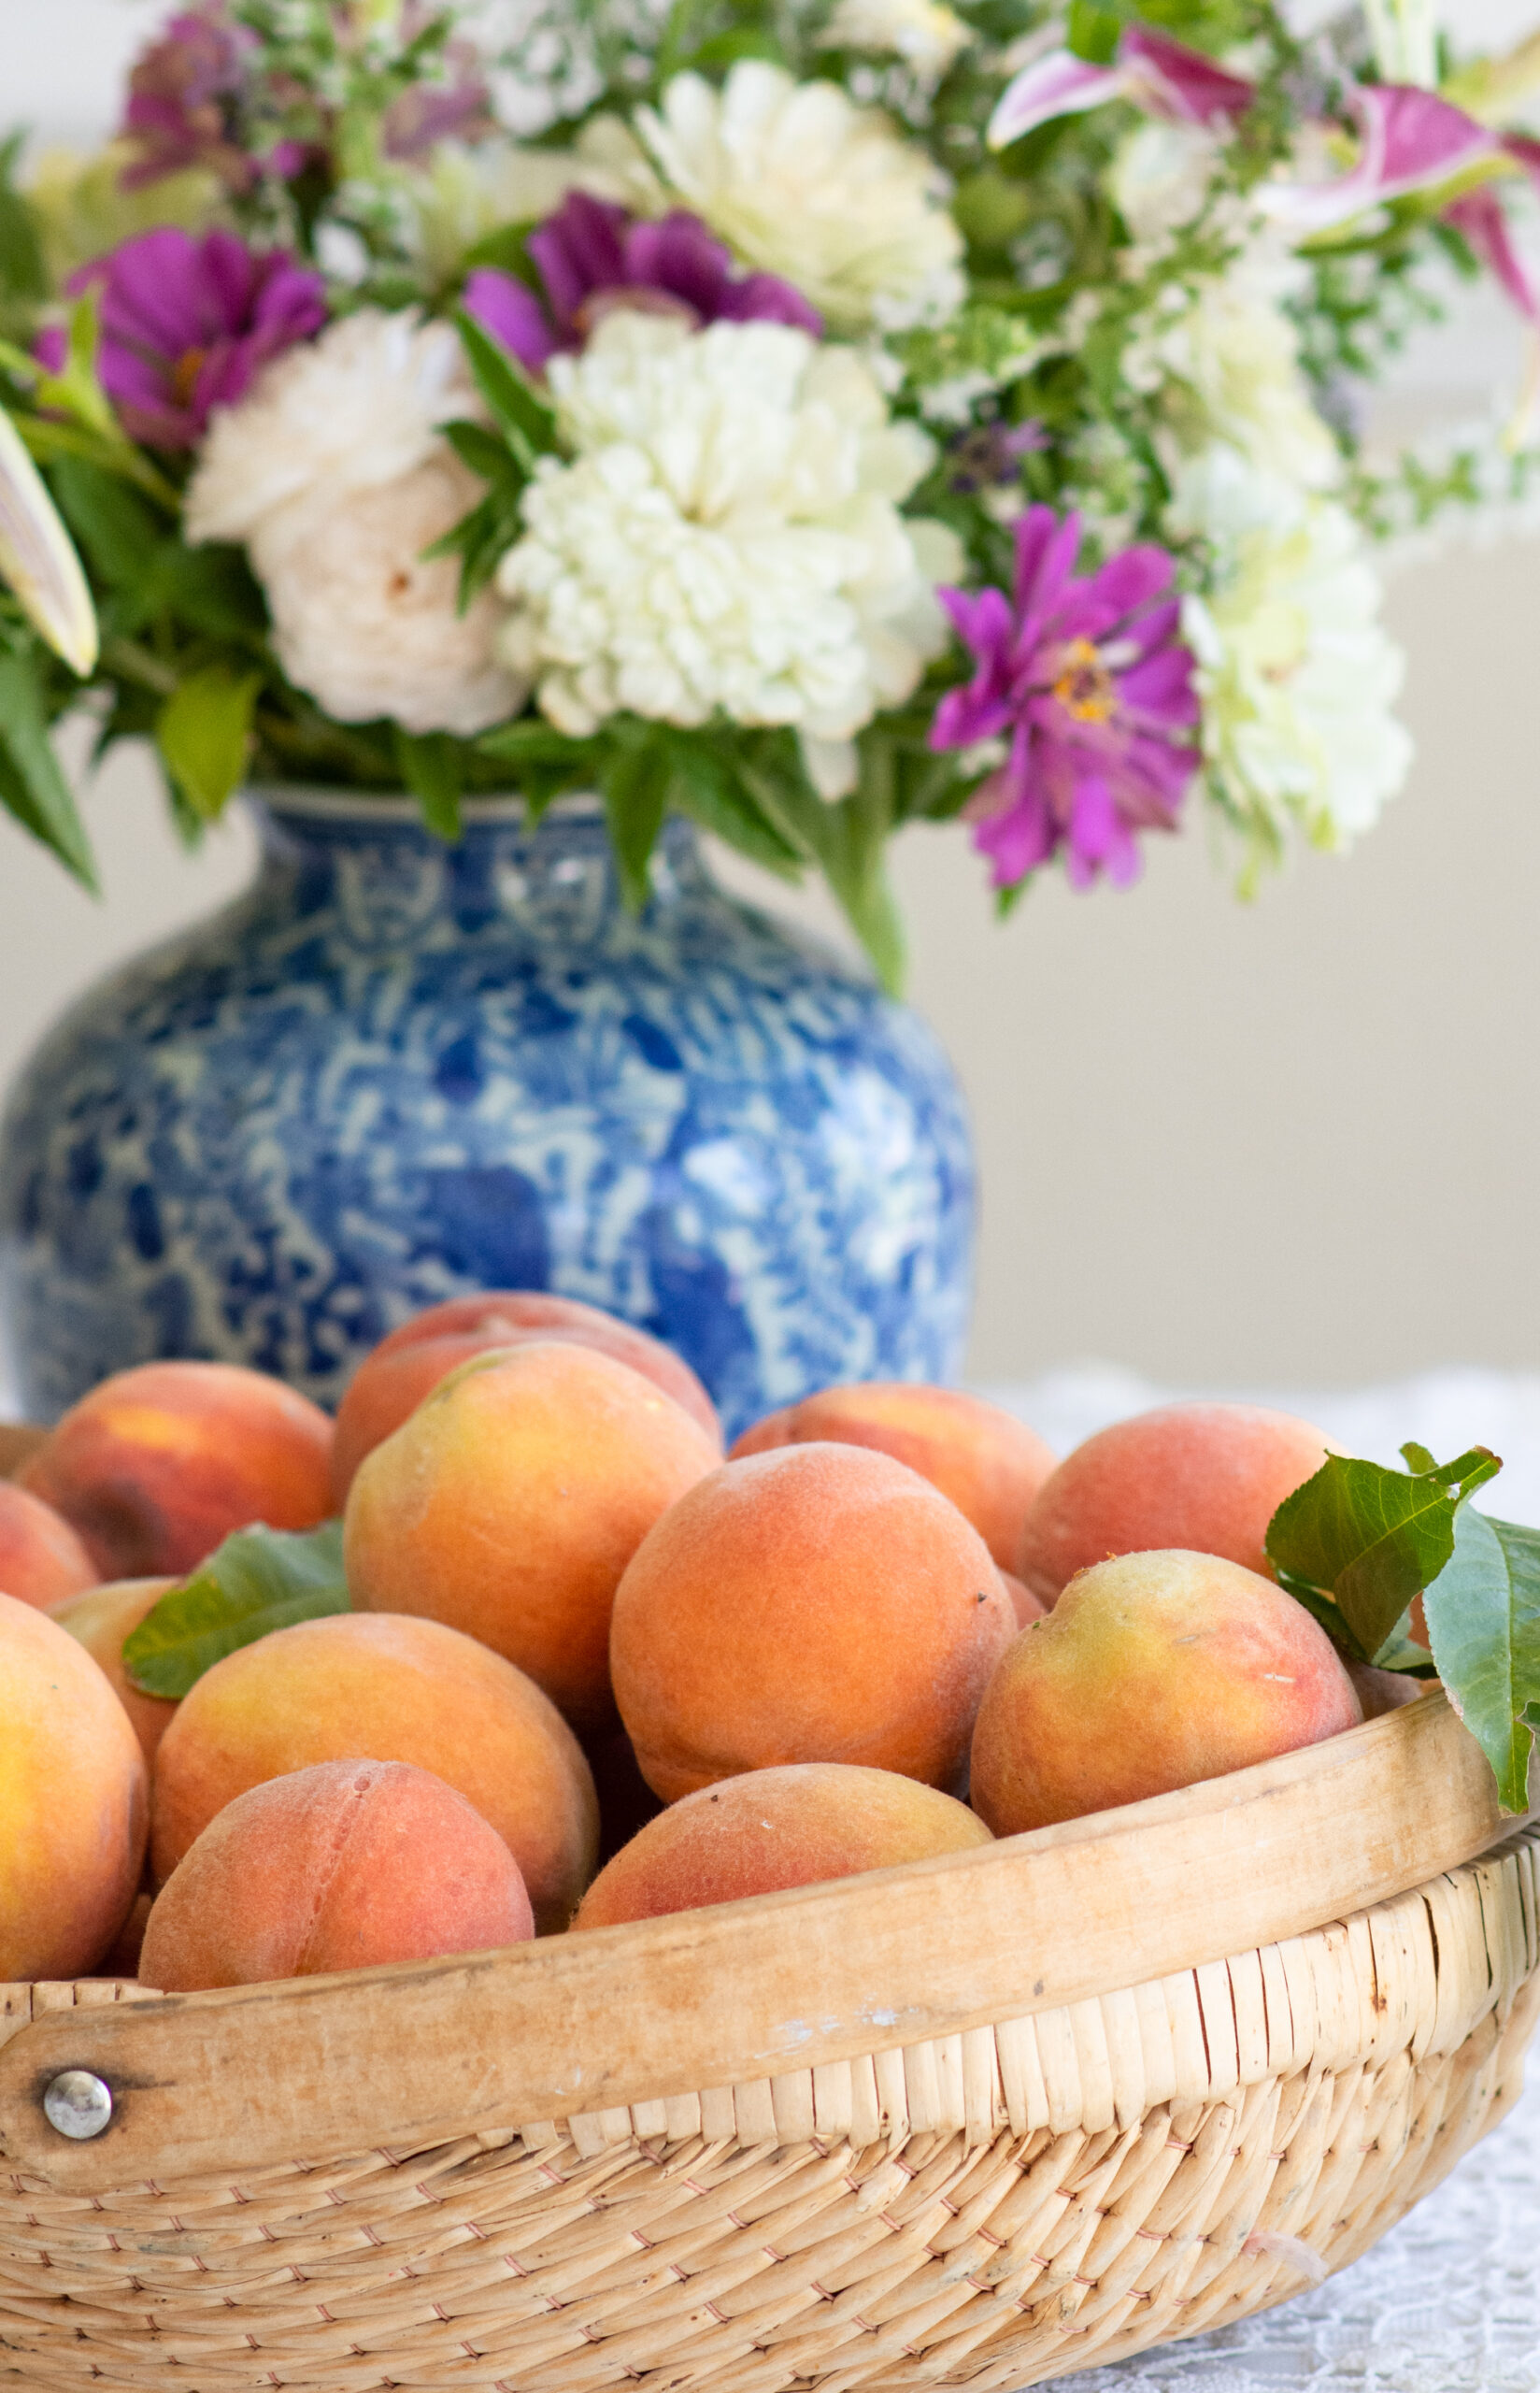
1173,81
1483,220
1059,84
1412,141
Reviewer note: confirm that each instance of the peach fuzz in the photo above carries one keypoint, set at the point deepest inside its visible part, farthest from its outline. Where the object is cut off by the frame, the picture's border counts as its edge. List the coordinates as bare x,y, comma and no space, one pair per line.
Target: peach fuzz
158,1465
72,1803
100,1620
511,1501
349,1864
988,1462
392,1381
1207,1478
816,1603
42,1560
1152,1672
773,1829
378,1688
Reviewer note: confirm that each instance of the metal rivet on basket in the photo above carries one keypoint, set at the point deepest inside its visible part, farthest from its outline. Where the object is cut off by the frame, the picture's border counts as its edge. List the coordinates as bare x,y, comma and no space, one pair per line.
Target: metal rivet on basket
78,2104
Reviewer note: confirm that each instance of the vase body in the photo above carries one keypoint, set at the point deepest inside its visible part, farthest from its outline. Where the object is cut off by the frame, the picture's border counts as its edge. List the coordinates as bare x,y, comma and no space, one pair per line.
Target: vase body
395,1071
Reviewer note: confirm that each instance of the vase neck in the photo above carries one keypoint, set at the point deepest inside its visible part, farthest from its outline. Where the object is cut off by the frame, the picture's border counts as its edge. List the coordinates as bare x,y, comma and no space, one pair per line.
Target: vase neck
374,859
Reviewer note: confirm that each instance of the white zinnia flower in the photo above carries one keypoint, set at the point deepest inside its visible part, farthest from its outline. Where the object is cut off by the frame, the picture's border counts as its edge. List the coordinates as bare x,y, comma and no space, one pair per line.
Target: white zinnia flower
800,183
334,474
1230,364
726,539
1296,673
926,36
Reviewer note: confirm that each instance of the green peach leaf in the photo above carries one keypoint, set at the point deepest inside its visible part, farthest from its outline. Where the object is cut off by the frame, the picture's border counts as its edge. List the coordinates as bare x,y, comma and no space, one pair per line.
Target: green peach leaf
257,1581
1483,1614
1372,1538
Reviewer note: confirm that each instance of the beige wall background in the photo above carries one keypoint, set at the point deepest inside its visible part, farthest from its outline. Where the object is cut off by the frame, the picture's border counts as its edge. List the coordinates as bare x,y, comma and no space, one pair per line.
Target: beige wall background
1292,1142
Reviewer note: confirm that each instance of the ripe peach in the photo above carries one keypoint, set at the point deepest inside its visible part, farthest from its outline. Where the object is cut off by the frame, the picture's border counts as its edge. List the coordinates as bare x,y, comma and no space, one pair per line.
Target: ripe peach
391,1383
816,1603
988,1462
1206,1478
72,1803
1025,1605
344,1865
511,1501
41,1558
1152,1671
101,1619
774,1828
384,1689
158,1465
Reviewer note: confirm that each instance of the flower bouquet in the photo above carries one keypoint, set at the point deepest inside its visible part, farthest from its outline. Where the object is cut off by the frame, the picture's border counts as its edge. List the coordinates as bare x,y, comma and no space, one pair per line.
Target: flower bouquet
804,418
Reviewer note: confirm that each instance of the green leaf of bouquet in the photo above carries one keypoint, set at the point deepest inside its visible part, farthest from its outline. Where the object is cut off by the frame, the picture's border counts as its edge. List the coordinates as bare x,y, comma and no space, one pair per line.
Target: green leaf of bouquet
516,407
203,732
1483,1614
483,452
635,785
1092,31
32,784
113,524
1372,1538
260,1580
709,788
431,767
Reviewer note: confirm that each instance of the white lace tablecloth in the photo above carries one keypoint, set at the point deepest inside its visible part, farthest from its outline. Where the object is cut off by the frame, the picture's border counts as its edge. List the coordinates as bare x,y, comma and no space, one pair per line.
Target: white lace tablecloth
1449,2302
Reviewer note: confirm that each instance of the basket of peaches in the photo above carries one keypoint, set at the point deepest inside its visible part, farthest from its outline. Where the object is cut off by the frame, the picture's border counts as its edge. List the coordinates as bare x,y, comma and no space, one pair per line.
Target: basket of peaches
494,1894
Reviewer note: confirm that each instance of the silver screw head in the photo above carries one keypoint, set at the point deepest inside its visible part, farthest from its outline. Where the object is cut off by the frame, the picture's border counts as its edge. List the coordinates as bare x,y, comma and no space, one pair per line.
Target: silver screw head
78,2104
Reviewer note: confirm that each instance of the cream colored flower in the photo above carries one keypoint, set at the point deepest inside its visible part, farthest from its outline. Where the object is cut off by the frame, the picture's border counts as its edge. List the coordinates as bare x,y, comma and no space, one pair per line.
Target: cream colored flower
800,182
726,539
926,36
1296,672
333,473
1229,364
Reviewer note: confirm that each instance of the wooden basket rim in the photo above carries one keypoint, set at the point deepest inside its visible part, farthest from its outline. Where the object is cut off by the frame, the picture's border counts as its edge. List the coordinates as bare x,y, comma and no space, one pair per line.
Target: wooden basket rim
417,2054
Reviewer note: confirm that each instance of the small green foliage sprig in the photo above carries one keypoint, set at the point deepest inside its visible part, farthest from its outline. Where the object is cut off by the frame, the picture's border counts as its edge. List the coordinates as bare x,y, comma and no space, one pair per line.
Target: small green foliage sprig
1358,1544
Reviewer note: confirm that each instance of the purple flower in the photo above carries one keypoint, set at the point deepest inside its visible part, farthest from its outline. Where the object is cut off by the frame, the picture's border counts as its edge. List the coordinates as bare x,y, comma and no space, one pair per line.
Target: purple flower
182,92
1412,141
1161,76
186,323
592,257
456,108
1089,679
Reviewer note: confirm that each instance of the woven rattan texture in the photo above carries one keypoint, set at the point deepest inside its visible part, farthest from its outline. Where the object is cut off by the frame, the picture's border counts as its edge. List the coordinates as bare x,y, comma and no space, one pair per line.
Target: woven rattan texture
992,2209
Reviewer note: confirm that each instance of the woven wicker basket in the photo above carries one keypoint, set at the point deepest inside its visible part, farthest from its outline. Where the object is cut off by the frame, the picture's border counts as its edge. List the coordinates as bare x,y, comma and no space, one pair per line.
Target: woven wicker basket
985,2121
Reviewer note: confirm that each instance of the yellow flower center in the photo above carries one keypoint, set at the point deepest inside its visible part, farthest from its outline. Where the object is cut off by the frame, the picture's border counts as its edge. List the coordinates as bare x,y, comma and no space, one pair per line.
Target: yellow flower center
185,374
1085,689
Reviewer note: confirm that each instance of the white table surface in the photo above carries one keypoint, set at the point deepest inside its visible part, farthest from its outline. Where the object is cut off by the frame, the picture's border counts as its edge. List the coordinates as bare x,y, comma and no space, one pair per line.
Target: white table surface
1449,2302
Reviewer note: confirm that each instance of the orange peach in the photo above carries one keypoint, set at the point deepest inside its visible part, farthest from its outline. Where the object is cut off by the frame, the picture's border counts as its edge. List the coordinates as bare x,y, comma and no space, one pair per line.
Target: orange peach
816,1603
379,1688
41,1558
1152,1672
774,1828
392,1381
158,1465
988,1462
347,1865
101,1619
511,1501
1207,1478
1025,1605
72,1803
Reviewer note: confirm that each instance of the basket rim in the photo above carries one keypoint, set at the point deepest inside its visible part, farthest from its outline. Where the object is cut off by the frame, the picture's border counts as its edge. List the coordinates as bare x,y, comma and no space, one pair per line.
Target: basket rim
418,2052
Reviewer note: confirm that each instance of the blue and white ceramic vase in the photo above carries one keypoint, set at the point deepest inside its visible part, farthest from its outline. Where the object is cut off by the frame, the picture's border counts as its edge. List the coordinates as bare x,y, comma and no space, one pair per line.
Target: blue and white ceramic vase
395,1071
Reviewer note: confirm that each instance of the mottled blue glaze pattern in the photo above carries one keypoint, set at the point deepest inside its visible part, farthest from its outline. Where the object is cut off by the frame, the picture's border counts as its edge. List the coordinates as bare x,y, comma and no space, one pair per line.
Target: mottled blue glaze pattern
395,1071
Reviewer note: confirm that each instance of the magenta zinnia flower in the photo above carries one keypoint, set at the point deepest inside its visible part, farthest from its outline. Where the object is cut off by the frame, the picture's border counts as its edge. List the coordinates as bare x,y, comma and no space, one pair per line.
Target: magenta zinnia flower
593,256
187,324
1089,680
